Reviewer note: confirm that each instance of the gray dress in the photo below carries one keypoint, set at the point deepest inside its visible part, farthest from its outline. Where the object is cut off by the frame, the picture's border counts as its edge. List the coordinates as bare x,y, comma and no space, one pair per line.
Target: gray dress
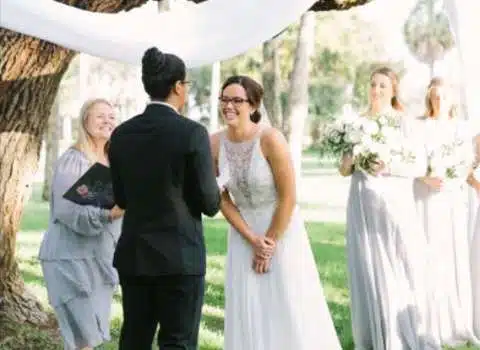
385,248
76,256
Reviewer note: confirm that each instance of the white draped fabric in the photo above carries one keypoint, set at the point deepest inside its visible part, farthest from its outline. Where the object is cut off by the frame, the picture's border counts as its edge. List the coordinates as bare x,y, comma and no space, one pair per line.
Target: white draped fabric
464,19
200,34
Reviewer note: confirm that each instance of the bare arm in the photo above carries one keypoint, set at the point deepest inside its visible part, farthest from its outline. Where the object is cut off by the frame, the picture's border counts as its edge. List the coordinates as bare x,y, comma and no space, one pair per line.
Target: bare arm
276,151
346,166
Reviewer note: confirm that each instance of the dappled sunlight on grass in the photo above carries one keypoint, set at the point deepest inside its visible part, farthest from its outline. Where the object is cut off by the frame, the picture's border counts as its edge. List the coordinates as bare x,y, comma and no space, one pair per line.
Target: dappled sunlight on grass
328,244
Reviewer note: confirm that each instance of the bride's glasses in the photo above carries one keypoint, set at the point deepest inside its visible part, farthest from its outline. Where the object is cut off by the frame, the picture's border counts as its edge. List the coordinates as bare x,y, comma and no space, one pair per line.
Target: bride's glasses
236,101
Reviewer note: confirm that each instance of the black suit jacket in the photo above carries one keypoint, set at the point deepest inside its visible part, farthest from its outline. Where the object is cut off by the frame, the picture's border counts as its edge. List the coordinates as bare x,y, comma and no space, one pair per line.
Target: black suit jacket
163,176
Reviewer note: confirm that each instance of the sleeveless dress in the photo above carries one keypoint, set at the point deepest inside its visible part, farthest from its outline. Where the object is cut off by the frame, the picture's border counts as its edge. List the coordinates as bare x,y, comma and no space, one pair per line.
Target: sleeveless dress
385,250
284,309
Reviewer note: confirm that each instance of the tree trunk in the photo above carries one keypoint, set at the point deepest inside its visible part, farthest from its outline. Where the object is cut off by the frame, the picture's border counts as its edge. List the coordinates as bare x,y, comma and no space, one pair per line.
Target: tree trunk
297,111
214,91
52,143
30,74
271,81
31,71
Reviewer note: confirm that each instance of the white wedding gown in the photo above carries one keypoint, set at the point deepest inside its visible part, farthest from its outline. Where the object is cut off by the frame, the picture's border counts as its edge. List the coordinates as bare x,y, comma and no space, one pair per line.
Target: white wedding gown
444,217
284,309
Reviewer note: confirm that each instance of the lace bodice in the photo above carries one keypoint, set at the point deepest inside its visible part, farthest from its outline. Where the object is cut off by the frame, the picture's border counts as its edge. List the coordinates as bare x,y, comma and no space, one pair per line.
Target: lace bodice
251,180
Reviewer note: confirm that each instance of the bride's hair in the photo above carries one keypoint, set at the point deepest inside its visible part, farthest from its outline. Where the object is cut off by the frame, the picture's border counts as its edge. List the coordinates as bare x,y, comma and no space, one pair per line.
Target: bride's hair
253,90
160,72
388,72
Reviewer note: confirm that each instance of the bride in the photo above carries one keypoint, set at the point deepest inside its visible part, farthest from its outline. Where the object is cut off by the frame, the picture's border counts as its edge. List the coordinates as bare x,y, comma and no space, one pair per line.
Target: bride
274,299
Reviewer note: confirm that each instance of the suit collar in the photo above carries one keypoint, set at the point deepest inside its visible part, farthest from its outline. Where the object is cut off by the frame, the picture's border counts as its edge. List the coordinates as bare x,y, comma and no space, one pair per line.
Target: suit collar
160,108
161,103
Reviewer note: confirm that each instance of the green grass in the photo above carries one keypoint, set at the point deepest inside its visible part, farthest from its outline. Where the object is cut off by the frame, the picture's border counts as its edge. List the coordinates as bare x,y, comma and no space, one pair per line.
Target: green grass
327,242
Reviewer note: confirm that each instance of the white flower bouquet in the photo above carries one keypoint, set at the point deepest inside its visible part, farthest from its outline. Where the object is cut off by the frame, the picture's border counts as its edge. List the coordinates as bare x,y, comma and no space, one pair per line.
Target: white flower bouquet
382,141
342,135
370,141
451,160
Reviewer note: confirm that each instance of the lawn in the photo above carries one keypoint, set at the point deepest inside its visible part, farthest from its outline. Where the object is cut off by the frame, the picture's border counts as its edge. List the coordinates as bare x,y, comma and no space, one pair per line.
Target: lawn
327,242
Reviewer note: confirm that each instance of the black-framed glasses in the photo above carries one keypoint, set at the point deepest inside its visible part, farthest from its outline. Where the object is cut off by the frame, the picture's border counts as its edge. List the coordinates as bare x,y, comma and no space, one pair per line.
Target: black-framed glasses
236,101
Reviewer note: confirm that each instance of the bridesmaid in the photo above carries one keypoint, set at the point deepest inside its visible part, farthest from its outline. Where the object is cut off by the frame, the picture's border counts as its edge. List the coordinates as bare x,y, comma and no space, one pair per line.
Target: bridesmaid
382,241
442,208
474,182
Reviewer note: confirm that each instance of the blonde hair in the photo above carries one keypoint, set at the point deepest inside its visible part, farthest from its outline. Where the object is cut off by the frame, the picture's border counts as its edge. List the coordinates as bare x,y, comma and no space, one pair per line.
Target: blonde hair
84,141
436,82
388,72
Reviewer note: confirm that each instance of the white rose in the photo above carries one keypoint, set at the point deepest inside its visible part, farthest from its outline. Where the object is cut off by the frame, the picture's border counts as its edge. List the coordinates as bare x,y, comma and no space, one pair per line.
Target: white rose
348,118
358,149
338,125
353,136
366,140
371,127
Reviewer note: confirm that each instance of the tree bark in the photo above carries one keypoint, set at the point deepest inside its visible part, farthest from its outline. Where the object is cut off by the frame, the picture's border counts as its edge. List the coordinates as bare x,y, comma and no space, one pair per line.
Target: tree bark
30,74
52,149
31,70
297,111
271,81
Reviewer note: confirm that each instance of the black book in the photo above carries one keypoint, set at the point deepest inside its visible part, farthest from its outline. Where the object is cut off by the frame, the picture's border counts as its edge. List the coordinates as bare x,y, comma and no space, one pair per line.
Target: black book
93,188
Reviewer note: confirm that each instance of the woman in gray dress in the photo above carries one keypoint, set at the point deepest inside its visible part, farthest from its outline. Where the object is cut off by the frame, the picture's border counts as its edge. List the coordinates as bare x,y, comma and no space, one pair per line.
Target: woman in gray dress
384,241
77,249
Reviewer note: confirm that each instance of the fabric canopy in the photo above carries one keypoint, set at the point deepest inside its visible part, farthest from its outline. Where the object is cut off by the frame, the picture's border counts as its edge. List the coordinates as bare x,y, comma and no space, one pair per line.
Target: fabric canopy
200,34
463,17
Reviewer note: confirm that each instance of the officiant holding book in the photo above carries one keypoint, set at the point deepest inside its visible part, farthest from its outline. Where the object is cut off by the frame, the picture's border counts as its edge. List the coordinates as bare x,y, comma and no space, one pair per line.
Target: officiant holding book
77,249
163,176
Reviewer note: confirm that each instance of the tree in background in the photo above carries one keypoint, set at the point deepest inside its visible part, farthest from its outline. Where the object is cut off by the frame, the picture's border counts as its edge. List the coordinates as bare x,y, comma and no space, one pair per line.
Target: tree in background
271,80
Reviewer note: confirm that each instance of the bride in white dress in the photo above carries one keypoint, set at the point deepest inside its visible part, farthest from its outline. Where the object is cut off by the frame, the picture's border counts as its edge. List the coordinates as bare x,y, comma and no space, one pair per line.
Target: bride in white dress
274,299
442,205
384,241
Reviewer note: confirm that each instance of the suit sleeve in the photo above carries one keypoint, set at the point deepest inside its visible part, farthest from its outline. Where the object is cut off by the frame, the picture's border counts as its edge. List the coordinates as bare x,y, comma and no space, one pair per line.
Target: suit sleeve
203,171
118,189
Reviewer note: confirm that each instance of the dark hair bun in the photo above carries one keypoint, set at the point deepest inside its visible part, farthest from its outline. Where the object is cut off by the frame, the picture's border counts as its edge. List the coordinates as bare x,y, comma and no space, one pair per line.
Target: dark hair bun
256,117
160,72
153,61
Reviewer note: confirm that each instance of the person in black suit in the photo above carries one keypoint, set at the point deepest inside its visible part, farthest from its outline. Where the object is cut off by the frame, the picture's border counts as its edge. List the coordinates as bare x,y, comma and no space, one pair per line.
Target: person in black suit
163,176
